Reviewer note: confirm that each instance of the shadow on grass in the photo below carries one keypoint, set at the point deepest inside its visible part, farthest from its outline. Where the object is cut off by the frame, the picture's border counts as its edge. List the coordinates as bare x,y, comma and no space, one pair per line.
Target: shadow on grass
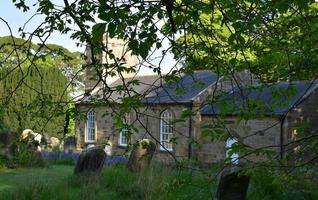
115,182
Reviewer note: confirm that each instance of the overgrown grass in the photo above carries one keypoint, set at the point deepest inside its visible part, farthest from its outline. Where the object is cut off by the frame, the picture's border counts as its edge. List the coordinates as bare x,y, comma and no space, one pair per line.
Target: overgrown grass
115,182
268,184
161,182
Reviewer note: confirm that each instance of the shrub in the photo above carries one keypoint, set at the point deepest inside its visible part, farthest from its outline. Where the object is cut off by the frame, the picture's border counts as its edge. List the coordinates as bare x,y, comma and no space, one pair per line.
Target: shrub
272,183
28,156
3,161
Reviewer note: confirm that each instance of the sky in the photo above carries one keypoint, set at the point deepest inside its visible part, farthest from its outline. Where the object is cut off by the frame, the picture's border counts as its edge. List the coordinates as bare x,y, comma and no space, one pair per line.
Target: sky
16,19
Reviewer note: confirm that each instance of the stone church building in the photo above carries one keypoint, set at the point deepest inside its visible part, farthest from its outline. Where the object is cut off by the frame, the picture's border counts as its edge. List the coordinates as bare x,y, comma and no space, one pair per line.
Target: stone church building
162,117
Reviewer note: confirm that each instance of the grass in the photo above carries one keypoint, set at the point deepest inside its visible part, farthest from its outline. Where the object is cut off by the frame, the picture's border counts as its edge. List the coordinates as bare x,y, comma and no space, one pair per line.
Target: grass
158,183
115,182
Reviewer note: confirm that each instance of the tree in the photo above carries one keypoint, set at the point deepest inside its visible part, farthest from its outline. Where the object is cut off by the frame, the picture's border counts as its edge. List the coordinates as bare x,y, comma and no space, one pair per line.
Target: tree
32,85
273,39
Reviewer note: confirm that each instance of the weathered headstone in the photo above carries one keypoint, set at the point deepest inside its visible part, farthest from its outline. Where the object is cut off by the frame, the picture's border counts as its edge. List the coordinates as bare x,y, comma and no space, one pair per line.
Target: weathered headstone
8,147
141,155
6,138
108,148
232,185
69,144
34,140
55,143
90,160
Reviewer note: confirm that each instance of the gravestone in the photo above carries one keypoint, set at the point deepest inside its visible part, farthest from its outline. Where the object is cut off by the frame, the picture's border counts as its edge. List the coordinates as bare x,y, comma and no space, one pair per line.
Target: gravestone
54,143
8,147
108,148
33,140
232,186
6,138
90,160
141,155
69,144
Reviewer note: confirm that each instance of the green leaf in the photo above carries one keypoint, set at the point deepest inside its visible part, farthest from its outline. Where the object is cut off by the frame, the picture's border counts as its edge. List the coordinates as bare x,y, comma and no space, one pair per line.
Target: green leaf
111,29
133,45
143,51
98,32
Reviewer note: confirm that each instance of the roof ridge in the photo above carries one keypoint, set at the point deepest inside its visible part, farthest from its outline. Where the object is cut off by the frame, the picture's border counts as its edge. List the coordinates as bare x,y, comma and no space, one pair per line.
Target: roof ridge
146,75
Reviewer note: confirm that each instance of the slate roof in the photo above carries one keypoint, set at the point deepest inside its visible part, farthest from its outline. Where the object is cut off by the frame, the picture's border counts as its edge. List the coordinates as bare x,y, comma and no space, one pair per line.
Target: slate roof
182,91
273,100
146,84
156,91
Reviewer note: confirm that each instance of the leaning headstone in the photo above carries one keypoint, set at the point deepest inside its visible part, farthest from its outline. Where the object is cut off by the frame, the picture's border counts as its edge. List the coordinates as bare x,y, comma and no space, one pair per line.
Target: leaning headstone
90,160
141,155
232,185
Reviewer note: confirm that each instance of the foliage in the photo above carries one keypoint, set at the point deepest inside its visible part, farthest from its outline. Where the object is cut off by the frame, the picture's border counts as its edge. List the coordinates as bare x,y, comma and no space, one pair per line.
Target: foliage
27,154
161,182
275,40
276,184
288,51
3,161
33,85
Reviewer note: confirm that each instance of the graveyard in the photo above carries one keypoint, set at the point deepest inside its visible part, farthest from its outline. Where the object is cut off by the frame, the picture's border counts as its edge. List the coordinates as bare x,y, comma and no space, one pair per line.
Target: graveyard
115,179
116,182
158,100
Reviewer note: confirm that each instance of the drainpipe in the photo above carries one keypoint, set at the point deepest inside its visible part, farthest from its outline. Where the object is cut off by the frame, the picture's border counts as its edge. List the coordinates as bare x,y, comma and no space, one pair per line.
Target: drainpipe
282,130
190,134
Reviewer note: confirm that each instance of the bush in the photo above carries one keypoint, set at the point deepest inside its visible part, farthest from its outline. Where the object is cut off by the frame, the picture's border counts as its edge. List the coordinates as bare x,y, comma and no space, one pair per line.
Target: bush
273,183
3,161
28,156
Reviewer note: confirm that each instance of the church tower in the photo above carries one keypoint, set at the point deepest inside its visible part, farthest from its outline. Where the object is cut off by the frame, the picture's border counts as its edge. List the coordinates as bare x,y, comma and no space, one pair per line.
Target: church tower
109,74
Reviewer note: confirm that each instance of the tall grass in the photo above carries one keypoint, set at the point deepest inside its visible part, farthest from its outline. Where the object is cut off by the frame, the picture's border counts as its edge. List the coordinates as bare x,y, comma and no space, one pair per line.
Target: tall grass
115,182
160,182
299,184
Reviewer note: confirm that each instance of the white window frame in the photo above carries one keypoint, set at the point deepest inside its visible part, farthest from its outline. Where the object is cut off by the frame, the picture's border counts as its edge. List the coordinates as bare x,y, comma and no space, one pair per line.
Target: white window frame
234,159
90,125
166,131
123,135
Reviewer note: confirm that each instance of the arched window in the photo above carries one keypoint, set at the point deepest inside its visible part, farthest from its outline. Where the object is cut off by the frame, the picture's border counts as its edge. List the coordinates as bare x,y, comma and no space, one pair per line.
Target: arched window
234,157
90,127
123,135
166,131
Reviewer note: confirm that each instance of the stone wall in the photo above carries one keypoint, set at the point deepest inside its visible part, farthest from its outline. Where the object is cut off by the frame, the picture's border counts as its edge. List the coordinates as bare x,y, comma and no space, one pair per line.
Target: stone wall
148,121
119,50
304,114
256,133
